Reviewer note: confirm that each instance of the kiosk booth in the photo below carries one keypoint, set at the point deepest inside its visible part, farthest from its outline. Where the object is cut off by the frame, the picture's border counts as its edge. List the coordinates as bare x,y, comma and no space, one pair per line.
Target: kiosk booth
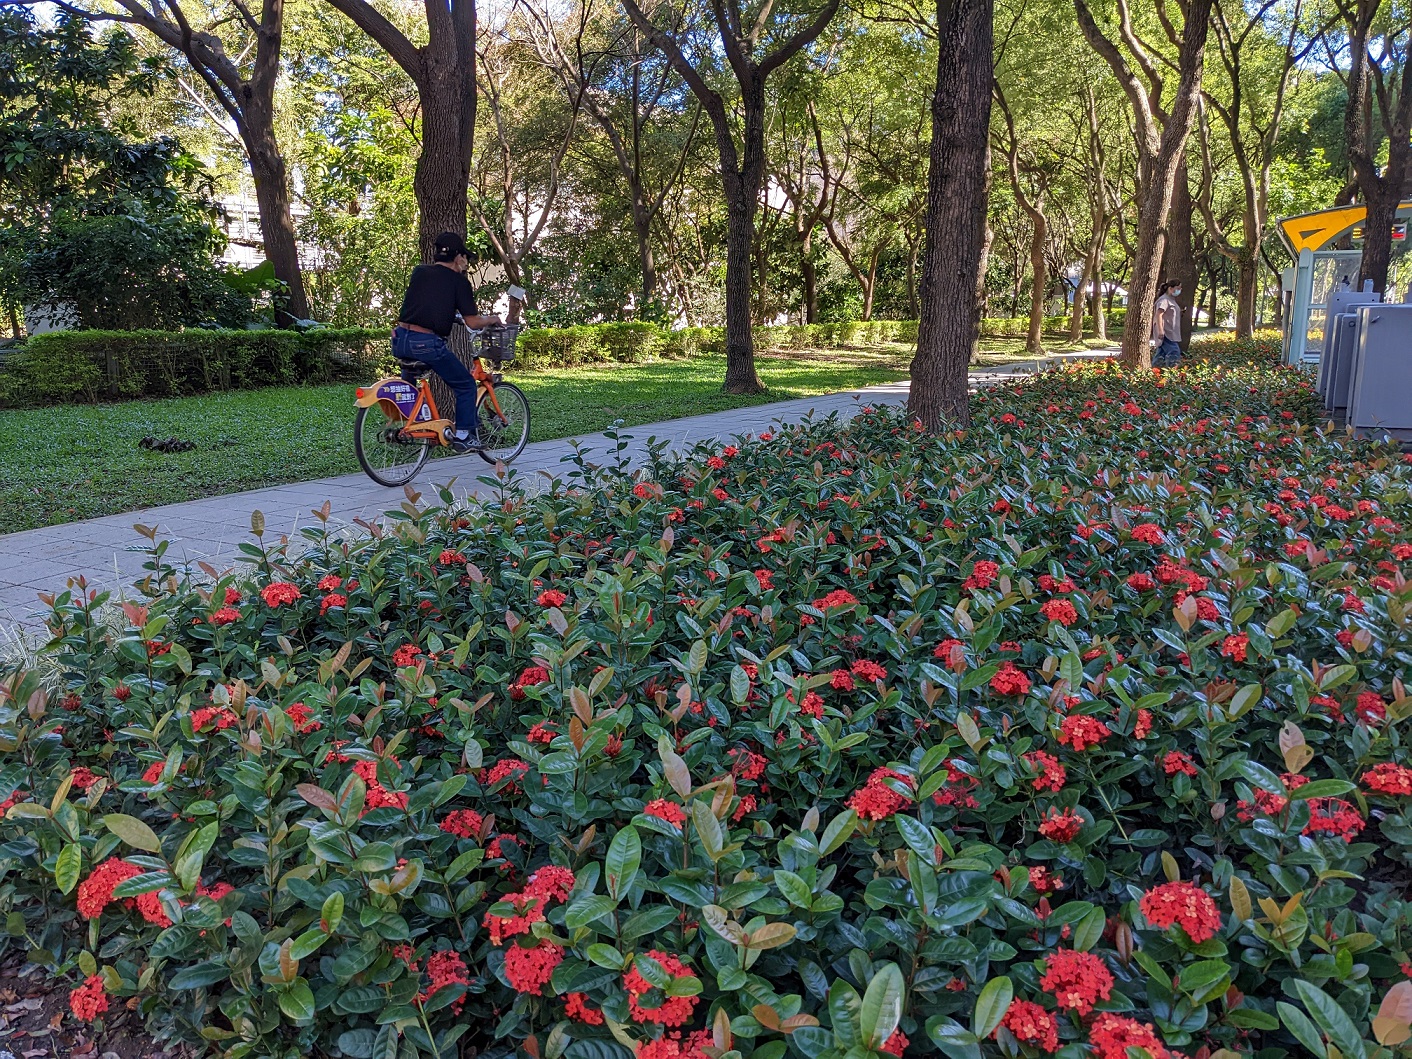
1359,341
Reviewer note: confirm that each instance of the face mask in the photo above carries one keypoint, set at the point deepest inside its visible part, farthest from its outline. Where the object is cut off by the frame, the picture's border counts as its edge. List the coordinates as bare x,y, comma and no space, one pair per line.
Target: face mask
1177,293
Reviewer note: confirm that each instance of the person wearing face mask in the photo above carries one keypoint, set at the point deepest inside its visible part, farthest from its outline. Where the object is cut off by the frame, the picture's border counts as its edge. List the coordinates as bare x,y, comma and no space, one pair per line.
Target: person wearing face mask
1167,326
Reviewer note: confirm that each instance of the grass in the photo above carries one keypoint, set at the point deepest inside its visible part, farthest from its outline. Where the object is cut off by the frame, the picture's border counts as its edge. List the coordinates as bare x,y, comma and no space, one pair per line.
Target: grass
78,462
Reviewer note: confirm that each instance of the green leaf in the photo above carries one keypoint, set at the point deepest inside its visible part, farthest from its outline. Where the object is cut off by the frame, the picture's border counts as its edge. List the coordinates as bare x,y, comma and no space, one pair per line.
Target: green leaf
882,1004
332,912
845,1008
207,972
133,831
586,909
1331,1018
1071,668
795,890
307,944
357,1044
67,867
1304,1031
917,835
952,1038
991,1005
708,829
297,1001
624,858
837,833
1322,789
1087,931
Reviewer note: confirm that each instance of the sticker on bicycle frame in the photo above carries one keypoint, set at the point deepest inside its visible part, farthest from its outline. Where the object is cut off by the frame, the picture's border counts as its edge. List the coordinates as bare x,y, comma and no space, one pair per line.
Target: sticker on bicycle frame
404,396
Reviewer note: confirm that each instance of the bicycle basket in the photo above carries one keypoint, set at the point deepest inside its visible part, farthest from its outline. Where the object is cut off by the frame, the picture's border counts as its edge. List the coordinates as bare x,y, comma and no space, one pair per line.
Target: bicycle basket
498,343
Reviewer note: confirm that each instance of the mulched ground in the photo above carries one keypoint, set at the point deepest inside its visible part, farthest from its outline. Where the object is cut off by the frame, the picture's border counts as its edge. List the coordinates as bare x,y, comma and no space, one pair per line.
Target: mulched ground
35,1022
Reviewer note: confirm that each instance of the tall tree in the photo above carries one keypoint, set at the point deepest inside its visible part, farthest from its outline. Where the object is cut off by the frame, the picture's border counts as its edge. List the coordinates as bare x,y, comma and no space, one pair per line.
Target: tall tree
755,42
241,74
444,71
957,191
1161,136
1030,183
1378,84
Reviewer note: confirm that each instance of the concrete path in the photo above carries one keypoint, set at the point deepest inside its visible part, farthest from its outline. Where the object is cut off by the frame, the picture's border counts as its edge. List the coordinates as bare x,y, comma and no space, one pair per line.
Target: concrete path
107,551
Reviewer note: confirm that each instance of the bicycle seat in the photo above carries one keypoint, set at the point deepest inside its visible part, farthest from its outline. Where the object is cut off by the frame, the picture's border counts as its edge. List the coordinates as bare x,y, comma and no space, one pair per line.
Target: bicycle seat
414,368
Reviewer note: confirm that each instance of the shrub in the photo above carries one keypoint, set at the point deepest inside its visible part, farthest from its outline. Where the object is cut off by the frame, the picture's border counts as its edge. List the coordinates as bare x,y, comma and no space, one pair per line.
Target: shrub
1264,349
93,365
630,343
1084,727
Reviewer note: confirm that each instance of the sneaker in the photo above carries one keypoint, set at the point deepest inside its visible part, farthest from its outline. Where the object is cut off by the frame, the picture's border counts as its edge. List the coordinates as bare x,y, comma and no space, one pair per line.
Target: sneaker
470,443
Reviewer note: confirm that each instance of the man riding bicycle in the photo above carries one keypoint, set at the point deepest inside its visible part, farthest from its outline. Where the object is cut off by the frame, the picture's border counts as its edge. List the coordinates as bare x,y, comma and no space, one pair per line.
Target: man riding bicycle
436,294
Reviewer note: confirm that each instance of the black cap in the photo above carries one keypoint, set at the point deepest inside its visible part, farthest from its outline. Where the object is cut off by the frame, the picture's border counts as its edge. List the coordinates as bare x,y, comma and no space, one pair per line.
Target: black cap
449,246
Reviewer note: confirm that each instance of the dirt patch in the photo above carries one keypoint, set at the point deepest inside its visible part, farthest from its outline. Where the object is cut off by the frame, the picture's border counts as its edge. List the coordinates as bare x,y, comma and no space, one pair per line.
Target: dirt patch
35,1022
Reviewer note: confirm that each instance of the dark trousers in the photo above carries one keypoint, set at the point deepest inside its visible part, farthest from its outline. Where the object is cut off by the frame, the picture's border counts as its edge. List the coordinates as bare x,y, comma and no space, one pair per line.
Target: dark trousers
433,351
1166,354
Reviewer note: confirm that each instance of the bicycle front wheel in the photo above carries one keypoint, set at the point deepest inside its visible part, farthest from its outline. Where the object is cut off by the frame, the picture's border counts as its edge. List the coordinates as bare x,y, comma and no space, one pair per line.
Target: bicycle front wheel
506,432
387,454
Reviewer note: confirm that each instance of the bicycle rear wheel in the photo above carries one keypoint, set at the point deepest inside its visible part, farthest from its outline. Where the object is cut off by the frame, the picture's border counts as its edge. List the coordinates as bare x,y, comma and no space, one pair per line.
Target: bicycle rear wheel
387,455
506,433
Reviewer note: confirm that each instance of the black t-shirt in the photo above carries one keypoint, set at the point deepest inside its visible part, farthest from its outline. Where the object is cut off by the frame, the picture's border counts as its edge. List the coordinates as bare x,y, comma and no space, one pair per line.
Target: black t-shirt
435,294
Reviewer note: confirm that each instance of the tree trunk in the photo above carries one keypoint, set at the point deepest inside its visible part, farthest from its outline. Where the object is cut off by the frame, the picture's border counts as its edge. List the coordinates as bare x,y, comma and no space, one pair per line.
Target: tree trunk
957,192
1179,263
1076,311
740,232
1377,235
276,221
1247,277
811,286
1039,281
912,250
443,172
1097,303
649,267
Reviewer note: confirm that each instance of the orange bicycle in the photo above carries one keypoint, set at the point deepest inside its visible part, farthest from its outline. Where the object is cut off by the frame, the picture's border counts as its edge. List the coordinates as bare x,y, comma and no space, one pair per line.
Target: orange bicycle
398,423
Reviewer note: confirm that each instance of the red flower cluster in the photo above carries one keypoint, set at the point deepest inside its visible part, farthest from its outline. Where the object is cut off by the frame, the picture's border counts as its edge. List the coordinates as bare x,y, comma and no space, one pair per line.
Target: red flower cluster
673,1010
89,1000
1032,1024
225,616
83,778
445,968
1185,905
529,969
1060,610
1334,816
541,732
1010,681
1045,881
1112,1035
1081,731
673,1046
333,599
507,768
406,655
1234,647
303,718
875,800
952,653
448,557
327,583
839,597
1061,827
1175,761
551,597
983,574
280,593
1051,775
1148,533
530,676
841,680
1142,728
1385,778
662,809
863,669
765,577
576,1007
223,717
96,892
550,883
463,823
1370,708
1076,980
895,1044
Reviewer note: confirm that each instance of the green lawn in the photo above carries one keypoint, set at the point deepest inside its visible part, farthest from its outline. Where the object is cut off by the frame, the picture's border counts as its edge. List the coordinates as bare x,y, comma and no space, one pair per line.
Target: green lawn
76,462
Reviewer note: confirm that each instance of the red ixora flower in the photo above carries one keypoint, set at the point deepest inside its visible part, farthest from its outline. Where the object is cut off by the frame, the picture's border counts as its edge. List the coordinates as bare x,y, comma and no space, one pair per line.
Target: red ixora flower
225,616
89,1000
1032,1024
1384,778
1060,610
1061,827
895,1044
1148,533
551,597
445,968
1234,647
1081,731
303,718
673,1046
1076,980
839,597
530,676
1175,761
463,823
1335,817
982,574
96,892
841,680
406,655
1051,775
1185,905
864,669
952,654
529,969
662,809
576,1007
1112,1035
1010,681
280,593
875,800
672,1010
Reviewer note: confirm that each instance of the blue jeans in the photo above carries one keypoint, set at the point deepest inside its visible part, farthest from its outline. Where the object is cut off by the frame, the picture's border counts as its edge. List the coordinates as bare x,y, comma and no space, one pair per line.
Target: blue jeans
433,351
1167,354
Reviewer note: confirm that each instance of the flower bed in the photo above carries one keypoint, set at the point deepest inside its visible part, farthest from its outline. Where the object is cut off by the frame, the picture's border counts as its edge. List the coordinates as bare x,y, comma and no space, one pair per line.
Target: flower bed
1081,731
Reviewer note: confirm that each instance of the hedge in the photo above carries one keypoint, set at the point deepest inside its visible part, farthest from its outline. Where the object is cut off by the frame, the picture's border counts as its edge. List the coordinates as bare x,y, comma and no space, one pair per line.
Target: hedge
68,367
72,367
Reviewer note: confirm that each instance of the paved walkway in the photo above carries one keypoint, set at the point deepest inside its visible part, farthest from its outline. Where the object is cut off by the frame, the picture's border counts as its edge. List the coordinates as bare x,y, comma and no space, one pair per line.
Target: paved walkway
108,550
